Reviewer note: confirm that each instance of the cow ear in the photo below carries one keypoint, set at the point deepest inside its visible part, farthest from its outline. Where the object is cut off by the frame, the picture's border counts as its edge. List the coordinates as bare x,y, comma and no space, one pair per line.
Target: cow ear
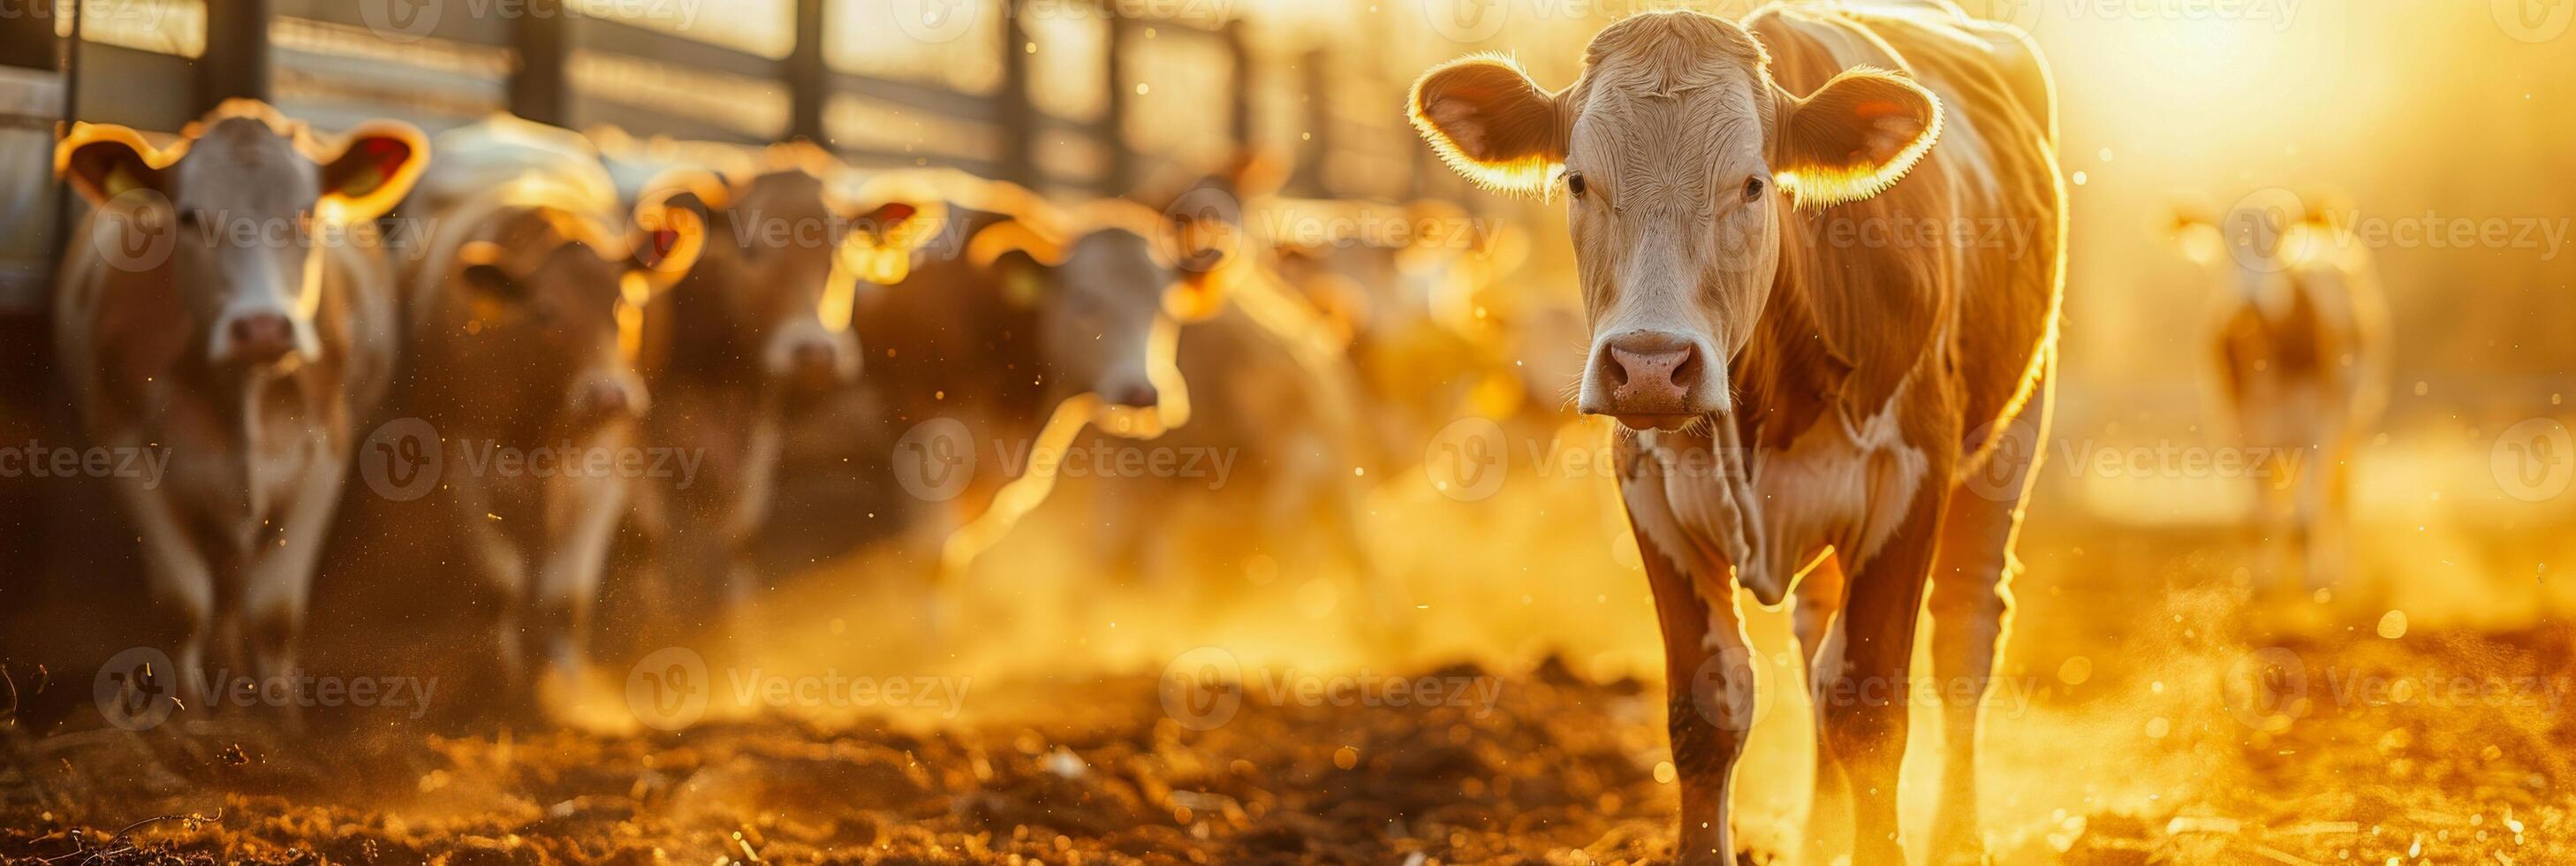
1024,278
667,238
374,170
104,161
1853,137
1489,121
2196,234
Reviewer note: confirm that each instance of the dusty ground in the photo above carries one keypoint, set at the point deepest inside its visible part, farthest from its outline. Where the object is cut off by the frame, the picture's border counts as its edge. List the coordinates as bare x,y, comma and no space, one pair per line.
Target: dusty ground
2152,709
1561,769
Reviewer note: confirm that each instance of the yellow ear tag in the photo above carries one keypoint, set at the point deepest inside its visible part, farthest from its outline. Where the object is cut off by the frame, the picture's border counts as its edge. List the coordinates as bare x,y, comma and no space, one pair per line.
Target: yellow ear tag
1023,288
121,180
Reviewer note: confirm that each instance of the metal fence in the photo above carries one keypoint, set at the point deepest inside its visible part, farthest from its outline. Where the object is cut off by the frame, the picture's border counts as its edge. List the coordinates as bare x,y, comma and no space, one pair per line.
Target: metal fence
1066,96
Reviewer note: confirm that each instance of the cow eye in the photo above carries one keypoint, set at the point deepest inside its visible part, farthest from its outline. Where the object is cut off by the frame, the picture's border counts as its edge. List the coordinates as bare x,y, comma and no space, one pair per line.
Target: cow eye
1574,182
1752,188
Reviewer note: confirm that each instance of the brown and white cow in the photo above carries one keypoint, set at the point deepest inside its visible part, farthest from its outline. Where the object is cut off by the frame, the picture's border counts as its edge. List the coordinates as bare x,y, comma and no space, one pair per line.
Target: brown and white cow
227,301
1722,181
524,310
756,335
2300,333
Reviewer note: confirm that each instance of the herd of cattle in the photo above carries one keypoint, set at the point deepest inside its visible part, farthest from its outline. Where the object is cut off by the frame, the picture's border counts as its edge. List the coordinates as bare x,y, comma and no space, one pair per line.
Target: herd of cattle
695,357
1852,427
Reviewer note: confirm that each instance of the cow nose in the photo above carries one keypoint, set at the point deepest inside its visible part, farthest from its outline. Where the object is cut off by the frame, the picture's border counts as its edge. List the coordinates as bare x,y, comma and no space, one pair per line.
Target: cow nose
1652,368
1138,395
607,398
813,358
260,338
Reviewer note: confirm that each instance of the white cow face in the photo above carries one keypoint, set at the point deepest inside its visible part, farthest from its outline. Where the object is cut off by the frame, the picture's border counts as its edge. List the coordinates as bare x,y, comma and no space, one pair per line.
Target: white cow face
242,210
1679,160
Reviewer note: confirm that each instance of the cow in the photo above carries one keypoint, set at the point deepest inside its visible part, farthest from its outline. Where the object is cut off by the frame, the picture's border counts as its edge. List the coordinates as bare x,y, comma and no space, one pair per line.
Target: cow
1008,308
2299,331
1786,389
227,303
757,335
1262,422
523,312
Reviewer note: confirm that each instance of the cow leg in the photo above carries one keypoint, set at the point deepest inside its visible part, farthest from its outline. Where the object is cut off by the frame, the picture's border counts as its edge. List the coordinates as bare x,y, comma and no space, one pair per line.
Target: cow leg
1820,639
280,581
1864,703
2328,491
568,580
1970,600
489,551
181,581
1709,701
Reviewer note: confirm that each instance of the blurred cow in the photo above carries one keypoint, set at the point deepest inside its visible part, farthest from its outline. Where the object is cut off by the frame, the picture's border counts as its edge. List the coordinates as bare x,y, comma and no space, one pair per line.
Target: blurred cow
1782,396
525,313
996,312
226,304
758,335
2300,333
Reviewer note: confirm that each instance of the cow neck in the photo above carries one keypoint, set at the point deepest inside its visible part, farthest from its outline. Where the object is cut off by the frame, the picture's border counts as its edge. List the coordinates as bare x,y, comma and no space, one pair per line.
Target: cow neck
1787,375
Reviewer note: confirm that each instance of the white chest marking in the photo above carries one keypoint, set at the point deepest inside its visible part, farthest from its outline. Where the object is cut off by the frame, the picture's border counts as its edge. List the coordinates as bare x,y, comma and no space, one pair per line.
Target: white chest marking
1839,484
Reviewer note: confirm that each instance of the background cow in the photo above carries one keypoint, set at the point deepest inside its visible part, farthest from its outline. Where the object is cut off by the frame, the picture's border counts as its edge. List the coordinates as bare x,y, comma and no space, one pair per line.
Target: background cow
2300,333
757,335
524,311
226,305
1842,392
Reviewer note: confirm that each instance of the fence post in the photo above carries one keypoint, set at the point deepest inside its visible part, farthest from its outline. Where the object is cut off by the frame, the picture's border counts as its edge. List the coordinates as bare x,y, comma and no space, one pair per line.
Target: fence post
1237,47
540,90
1313,154
809,78
1121,176
1012,114
235,64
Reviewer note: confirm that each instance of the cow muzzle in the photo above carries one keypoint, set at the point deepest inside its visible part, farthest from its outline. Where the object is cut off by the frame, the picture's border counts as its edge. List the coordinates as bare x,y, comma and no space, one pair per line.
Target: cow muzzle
256,338
608,397
1652,380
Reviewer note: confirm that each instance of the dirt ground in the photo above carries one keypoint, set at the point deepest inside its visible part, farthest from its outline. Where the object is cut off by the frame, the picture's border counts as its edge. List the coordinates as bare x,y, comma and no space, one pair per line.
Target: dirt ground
2153,708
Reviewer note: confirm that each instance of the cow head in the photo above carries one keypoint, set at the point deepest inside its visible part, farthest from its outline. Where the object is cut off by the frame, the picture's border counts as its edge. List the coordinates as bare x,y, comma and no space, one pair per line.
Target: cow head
777,282
243,206
1680,160
2260,239
551,302
1102,300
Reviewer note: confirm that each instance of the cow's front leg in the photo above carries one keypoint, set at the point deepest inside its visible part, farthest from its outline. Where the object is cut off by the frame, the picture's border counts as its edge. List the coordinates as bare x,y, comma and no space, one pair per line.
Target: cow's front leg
181,581
280,583
1970,598
1816,619
583,522
1864,703
1709,694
